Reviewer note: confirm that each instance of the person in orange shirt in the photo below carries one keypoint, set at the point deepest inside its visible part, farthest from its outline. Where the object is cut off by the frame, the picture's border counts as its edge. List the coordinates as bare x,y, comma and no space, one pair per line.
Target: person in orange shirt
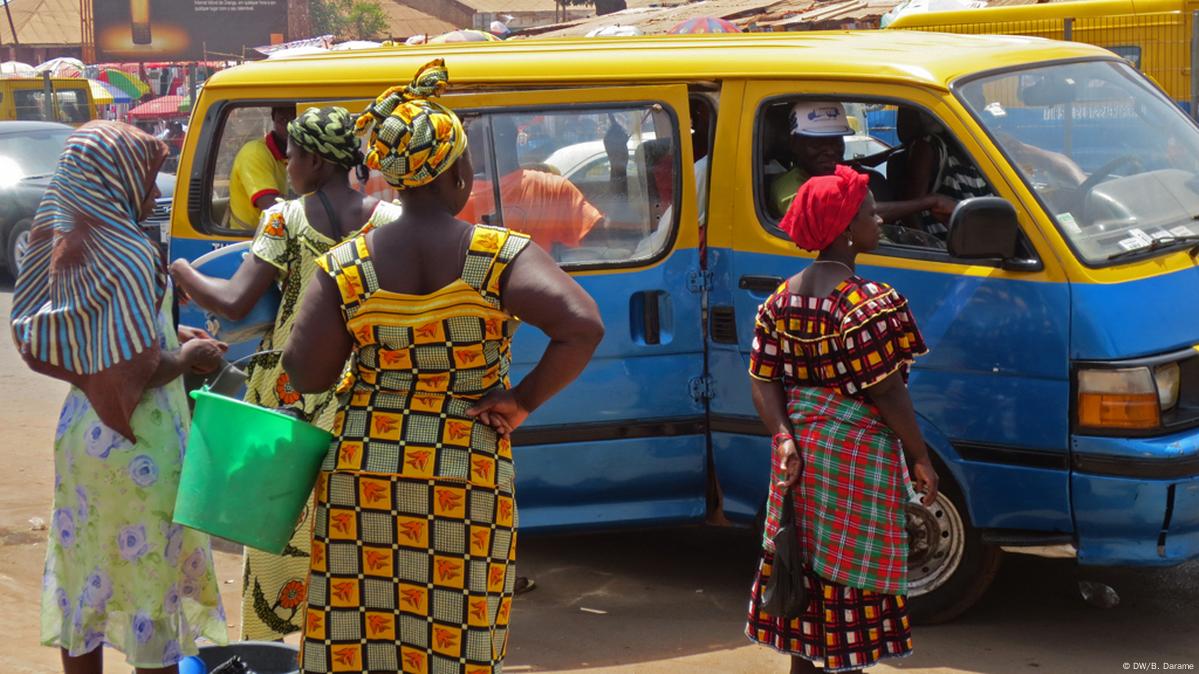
546,206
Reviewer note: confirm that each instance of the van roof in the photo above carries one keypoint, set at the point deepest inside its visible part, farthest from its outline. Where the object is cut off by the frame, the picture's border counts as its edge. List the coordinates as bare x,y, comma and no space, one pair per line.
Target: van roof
934,59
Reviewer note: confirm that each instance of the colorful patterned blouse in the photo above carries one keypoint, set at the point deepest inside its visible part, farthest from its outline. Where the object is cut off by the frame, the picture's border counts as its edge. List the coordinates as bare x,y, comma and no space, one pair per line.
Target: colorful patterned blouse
857,336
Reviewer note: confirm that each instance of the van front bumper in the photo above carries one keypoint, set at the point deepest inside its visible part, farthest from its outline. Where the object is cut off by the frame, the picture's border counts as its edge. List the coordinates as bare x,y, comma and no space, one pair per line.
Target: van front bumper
1136,500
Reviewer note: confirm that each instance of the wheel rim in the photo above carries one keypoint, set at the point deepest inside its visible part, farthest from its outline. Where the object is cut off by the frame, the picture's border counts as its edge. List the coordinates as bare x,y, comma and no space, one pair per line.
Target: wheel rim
20,247
936,543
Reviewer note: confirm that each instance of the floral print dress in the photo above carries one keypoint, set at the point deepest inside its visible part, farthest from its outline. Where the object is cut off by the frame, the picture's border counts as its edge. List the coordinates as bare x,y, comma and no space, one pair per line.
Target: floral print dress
119,572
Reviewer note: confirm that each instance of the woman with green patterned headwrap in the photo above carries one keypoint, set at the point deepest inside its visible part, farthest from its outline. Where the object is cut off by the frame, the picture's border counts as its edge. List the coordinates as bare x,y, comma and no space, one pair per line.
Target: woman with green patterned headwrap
414,532
322,149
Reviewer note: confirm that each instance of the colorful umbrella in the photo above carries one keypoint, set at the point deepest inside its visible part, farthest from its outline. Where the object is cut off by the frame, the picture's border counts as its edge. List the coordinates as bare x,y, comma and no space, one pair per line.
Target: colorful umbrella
464,35
163,107
130,84
704,24
104,93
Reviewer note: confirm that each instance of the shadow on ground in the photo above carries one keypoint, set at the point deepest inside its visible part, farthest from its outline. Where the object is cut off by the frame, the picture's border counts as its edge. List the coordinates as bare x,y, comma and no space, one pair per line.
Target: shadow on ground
679,592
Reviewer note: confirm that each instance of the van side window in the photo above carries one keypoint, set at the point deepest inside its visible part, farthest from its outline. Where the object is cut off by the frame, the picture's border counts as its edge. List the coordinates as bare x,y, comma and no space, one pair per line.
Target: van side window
72,106
249,166
29,104
592,187
918,171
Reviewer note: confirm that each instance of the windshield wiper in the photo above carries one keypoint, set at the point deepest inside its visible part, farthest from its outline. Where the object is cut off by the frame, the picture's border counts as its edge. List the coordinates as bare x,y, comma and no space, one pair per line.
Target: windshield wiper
1157,244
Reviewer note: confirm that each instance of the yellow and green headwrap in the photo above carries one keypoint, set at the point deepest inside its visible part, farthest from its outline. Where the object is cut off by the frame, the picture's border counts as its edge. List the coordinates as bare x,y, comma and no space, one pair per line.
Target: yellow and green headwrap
413,139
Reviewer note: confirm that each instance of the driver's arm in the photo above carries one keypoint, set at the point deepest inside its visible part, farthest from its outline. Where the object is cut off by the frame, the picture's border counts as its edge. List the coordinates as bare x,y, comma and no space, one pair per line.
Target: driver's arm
1056,164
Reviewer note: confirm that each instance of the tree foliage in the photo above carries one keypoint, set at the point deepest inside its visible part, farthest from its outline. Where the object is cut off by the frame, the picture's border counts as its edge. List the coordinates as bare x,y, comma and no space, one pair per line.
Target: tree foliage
352,19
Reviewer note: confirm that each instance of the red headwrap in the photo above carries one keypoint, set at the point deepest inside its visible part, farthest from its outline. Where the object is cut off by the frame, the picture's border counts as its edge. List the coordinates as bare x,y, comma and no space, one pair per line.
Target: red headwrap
823,208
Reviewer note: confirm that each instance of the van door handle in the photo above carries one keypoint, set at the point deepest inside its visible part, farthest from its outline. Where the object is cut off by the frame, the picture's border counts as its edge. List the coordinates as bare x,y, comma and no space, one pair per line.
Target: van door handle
760,284
646,316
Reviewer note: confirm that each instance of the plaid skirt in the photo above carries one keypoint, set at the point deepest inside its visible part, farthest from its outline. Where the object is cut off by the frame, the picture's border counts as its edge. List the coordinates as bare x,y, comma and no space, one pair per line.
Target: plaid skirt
409,575
842,629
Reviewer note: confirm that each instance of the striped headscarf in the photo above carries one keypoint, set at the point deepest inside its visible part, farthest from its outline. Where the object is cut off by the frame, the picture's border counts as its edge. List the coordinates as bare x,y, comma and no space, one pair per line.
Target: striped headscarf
413,139
328,133
89,289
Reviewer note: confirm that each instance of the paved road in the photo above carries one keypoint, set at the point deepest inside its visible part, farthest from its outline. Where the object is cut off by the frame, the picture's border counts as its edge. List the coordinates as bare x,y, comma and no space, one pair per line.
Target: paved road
657,601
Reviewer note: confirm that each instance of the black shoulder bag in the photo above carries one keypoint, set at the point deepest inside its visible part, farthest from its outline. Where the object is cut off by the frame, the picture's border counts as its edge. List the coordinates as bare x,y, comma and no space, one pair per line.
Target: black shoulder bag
785,595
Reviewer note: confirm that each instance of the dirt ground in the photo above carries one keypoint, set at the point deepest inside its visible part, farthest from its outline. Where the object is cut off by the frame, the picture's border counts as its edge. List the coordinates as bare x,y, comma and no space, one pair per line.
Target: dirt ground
652,602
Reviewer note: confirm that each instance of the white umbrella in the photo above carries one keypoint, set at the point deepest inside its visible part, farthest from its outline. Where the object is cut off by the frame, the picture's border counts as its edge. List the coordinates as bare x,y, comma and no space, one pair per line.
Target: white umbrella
17,69
924,6
355,44
616,30
63,66
297,51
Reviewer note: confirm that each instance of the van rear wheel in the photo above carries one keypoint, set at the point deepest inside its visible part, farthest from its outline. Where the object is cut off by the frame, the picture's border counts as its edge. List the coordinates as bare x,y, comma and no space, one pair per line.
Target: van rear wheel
949,566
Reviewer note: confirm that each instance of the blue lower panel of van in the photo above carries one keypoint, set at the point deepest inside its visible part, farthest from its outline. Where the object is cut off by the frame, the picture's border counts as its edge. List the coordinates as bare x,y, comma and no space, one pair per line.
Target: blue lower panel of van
744,473
1136,501
626,482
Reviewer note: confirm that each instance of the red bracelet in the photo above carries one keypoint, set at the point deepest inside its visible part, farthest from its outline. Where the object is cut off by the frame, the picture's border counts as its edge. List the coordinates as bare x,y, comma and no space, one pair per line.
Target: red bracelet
778,438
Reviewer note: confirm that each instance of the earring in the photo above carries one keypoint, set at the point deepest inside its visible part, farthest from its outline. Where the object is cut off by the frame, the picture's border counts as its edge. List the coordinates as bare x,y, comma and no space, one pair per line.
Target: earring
461,183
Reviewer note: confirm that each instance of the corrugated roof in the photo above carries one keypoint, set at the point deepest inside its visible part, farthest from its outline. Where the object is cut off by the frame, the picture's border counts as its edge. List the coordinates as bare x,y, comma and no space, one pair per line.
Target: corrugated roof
501,6
42,22
636,4
406,21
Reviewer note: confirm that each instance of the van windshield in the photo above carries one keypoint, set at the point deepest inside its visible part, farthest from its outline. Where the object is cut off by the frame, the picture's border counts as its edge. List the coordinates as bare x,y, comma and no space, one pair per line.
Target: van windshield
1115,161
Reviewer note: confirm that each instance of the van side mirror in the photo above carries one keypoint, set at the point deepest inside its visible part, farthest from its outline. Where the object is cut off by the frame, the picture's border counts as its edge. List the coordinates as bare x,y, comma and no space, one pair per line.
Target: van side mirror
986,228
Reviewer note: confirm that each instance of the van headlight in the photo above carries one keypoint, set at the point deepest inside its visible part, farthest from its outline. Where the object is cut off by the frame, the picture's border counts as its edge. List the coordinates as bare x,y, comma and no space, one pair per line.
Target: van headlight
1167,378
1131,398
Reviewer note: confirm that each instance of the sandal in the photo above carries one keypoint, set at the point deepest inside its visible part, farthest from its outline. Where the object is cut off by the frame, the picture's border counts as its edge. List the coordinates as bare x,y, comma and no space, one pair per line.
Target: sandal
523,585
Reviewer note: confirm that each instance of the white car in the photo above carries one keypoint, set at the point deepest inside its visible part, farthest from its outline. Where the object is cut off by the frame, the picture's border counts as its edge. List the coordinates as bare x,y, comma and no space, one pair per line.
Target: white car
588,162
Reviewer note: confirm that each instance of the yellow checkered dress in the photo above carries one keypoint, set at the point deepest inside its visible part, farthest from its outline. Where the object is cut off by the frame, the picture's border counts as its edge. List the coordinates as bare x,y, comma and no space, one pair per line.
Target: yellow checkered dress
414,538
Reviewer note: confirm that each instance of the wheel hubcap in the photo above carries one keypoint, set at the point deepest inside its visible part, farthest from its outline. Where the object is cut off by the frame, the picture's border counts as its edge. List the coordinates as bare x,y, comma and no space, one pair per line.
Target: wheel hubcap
19,249
936,542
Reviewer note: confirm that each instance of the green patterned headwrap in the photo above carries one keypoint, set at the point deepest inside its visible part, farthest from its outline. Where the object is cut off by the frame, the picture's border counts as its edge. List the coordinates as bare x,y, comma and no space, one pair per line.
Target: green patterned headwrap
329,134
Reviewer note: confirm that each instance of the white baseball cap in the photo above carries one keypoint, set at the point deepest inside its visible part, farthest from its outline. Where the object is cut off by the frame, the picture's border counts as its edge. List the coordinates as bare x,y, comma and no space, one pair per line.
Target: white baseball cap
819,118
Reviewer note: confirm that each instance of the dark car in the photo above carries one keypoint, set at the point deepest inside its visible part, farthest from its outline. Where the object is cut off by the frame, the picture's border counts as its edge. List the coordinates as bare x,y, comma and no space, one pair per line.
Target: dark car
29,153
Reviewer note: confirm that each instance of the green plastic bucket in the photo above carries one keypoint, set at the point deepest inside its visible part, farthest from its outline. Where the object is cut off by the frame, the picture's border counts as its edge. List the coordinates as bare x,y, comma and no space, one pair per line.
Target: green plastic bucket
248,471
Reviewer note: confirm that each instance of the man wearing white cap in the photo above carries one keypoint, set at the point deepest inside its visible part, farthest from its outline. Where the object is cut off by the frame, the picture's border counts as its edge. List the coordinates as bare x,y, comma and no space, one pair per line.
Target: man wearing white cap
817,135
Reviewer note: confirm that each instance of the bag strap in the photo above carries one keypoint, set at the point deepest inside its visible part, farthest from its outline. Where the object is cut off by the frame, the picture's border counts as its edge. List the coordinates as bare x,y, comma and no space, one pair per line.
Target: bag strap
334,221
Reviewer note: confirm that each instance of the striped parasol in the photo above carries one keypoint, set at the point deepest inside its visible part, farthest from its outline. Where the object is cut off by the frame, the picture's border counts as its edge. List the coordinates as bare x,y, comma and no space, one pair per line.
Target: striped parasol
704,24
130,84
104,93
464,35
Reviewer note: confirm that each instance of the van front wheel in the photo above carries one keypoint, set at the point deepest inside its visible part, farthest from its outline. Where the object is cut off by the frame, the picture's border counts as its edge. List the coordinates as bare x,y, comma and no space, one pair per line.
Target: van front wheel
949,566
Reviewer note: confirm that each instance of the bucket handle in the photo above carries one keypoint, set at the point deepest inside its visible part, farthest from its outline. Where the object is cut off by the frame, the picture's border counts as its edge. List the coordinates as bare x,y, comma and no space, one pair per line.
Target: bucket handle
228,365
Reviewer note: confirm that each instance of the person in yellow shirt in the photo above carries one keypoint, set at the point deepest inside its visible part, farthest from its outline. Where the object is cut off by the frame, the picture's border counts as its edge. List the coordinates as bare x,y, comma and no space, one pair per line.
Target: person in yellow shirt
259,174
817,143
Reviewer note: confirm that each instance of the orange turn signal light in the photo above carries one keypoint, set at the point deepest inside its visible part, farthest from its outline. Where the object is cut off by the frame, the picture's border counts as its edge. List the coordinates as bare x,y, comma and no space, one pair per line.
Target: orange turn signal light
1119,410
1124,398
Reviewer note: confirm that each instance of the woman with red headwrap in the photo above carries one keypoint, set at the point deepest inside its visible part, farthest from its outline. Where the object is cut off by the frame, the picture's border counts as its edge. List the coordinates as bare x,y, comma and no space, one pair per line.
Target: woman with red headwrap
830,358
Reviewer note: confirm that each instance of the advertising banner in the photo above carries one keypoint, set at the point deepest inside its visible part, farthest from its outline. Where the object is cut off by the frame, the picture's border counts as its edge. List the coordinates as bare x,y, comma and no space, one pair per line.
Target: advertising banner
181,30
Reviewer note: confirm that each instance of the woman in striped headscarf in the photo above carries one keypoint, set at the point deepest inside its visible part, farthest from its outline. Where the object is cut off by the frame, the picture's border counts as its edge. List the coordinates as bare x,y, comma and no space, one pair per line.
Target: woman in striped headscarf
92,307
414,536
321,151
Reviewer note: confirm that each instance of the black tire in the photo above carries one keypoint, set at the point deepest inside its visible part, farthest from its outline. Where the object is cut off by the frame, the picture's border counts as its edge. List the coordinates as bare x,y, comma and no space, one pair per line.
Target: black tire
940,589
18,231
